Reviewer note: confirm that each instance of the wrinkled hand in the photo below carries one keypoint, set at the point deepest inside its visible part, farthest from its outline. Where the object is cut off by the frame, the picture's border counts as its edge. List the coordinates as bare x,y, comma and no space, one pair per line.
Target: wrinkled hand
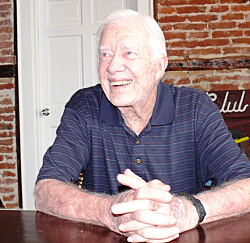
145,214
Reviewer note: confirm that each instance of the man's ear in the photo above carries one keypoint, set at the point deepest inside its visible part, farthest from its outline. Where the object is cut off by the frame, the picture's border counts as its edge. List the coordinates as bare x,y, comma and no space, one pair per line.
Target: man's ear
162,65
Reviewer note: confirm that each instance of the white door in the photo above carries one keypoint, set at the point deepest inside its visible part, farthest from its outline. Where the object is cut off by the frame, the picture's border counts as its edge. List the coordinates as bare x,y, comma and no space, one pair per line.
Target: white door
56,56
67,53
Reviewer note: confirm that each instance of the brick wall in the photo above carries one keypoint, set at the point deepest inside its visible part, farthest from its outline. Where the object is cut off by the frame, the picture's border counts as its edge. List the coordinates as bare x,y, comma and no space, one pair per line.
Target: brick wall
208,42
8,156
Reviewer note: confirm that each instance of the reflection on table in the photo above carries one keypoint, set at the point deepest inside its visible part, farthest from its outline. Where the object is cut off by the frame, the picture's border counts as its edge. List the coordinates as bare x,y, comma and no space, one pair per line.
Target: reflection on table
31,226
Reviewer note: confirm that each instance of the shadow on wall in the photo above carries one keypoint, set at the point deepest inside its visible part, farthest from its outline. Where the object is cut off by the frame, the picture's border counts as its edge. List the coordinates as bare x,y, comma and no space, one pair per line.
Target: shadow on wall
1,204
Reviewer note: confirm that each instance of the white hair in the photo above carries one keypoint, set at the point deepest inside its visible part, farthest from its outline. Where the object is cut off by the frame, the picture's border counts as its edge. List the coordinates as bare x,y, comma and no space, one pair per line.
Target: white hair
156,41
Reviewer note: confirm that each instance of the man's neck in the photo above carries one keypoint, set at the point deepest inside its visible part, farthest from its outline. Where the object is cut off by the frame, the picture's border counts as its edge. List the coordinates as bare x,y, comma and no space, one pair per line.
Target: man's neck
137,117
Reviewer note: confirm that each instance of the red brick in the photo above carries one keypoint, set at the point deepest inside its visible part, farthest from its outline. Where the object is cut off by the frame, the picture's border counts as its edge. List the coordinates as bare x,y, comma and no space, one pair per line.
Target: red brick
7,166
214,42
1,157
218,87
247,33
169,81
232,16
4,7
241,41
8,52
5,149
210,79
233,1
7,109
219,8
12,134
6,101
6,190
174,35
240,8
202,18
8,29
183,81
7,118
186,44
172,19
244,25
191,9
8,157
4,126
166,27
6,141
222,25
6,22
228,33
187,26
9,174
187,2
6,37
5,14
173,2
167,10
8,181
236,50
196,34
5,1
5,60
179,53
11,205
6,86
238,78
9,198
246,85
206,51
3,134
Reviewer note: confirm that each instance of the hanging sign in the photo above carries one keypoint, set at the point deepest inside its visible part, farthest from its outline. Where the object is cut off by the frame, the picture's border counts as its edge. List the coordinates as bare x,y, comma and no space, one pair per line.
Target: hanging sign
232,103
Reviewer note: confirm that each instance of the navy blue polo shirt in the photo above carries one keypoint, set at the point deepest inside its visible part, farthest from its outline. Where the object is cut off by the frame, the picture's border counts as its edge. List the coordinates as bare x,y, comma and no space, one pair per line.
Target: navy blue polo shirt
185,144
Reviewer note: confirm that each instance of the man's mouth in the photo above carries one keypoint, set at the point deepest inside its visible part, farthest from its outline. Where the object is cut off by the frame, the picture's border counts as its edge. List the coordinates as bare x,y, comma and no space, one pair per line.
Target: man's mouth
121,82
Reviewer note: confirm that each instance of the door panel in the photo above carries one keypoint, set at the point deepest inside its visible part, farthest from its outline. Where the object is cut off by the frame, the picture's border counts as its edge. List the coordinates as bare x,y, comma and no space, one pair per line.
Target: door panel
67,53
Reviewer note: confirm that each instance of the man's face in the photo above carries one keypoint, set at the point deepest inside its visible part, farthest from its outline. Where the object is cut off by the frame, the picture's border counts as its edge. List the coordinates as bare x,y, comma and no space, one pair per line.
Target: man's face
127,74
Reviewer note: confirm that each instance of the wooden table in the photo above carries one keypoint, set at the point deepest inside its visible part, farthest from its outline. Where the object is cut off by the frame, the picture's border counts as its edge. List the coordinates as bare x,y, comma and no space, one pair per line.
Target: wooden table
31,226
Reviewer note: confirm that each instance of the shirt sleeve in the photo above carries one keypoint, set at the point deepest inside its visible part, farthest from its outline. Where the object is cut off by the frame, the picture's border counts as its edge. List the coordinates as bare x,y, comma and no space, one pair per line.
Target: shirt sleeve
221,159
65,159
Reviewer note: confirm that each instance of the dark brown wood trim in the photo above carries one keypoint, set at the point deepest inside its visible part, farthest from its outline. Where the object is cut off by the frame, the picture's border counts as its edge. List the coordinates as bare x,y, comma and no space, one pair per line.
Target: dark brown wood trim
208,64
8,71
155,8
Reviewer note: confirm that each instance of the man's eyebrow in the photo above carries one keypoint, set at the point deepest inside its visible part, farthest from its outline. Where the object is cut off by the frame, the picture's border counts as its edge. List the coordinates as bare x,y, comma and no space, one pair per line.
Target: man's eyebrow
103,48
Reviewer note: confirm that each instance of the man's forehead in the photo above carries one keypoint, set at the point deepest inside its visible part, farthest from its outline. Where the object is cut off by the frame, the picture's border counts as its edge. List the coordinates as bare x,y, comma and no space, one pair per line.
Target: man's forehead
126,34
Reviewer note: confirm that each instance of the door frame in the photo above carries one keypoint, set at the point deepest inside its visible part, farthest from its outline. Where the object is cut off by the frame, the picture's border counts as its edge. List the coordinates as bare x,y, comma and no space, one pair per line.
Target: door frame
28,69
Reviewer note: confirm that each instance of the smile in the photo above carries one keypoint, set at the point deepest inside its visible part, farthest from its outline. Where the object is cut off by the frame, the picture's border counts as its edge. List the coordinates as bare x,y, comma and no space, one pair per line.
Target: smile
121,82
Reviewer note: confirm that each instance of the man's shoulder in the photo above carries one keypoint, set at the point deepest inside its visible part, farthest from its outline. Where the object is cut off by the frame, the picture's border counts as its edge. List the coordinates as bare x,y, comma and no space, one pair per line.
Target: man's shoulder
184,94
86,98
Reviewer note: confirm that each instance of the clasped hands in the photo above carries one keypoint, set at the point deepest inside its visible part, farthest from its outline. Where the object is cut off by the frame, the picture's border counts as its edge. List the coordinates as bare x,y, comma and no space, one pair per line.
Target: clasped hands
146,213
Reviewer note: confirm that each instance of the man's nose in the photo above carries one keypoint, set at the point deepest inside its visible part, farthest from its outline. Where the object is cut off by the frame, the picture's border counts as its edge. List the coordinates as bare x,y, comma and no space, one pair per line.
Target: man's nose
116,64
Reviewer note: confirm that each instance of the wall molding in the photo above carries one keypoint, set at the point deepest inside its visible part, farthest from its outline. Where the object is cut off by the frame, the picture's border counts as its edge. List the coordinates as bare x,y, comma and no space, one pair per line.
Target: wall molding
209,64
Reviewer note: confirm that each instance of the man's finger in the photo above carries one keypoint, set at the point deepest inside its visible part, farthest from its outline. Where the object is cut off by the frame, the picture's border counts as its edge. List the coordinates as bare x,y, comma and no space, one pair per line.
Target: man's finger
148,217
130,207
131,181
155,234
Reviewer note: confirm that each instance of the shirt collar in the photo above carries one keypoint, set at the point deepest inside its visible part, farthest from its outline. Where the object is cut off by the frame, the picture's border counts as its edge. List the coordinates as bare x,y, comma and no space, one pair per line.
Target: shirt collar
164,110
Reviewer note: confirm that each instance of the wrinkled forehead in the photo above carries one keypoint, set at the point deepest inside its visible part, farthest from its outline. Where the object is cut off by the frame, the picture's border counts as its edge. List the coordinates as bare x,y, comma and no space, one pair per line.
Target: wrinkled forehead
127,31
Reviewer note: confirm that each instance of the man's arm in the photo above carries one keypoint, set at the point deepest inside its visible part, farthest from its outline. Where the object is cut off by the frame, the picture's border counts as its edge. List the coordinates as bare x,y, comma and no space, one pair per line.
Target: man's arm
230,200
70,202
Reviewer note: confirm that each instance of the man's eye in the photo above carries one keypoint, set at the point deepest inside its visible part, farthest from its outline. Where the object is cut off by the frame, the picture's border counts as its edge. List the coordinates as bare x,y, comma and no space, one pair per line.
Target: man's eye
105,54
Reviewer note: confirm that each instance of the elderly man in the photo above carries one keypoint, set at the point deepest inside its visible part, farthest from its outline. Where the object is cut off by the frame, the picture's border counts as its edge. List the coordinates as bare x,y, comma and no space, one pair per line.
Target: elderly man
155,140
